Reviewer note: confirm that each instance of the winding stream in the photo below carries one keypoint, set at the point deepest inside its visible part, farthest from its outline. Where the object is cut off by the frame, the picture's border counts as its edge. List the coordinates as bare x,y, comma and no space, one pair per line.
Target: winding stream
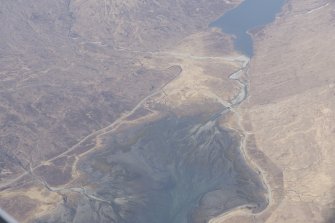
180,169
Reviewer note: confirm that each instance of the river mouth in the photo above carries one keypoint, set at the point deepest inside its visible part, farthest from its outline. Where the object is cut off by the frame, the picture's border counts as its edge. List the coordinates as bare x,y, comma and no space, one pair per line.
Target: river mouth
177,170
248,15
185,169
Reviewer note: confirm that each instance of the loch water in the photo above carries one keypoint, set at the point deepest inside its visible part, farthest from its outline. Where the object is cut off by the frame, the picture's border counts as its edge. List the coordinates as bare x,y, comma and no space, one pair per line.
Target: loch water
248,15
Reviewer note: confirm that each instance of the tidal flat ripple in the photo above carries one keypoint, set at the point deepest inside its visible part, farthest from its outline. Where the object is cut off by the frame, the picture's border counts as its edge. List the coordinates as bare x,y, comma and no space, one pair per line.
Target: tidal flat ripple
174,170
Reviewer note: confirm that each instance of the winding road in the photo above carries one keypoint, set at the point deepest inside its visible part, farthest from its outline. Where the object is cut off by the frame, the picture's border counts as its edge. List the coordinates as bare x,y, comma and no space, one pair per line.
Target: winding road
232,105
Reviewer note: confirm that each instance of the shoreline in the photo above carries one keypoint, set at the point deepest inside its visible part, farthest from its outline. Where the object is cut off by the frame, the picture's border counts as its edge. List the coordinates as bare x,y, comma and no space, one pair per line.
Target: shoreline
264,173
243,147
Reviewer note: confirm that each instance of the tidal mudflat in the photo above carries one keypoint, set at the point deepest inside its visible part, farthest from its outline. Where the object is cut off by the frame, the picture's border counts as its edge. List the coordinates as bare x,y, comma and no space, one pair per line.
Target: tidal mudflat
175,170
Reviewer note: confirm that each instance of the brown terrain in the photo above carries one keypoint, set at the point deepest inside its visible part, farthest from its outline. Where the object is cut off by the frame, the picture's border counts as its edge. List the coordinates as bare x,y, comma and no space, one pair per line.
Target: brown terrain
290,114
99,99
